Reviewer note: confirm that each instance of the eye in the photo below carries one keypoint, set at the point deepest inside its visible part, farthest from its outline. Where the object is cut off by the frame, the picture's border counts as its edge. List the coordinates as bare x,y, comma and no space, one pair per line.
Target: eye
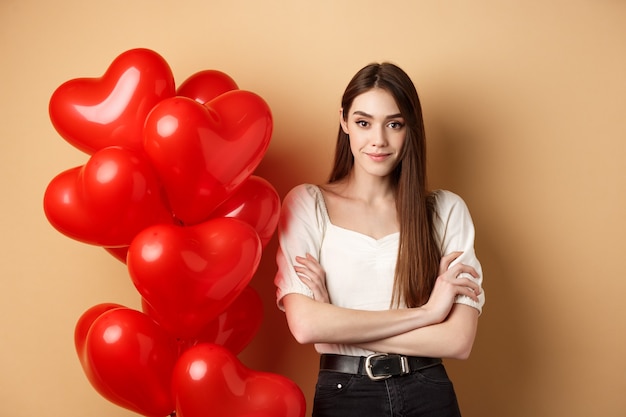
362,123
396,125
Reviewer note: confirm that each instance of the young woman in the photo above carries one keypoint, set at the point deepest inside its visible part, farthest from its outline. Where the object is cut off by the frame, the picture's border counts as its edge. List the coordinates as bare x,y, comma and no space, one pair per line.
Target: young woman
375,270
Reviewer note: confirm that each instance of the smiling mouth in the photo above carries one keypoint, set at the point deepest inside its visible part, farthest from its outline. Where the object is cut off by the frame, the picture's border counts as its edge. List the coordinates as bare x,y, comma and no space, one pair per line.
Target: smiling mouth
378,156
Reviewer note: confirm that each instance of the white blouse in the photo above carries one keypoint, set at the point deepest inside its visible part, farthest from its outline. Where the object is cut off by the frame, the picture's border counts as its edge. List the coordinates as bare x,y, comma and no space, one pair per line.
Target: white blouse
360,269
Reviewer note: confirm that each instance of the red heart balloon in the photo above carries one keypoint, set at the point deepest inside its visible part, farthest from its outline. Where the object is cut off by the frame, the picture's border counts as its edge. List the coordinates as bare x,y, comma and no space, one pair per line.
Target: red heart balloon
205,85
84,324
106,202
189,275
208,380
94,113
235,327
129,360
118,253
255,202
204,152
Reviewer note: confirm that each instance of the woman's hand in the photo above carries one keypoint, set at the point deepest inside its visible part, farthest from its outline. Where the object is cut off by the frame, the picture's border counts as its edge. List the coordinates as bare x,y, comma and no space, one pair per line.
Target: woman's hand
448,285
313,276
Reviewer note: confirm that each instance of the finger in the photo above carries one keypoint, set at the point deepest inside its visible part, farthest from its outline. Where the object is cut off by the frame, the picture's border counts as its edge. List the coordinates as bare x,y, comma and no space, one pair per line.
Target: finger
471,285
308,282
313,267
304,278
452,255
315,289
307,260
449,258
307,257
309,278
446,260
458,269
470,293
301,269
305,269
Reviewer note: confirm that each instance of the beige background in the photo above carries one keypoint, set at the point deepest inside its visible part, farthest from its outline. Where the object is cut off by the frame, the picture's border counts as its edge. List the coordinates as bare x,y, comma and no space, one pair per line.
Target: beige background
524,104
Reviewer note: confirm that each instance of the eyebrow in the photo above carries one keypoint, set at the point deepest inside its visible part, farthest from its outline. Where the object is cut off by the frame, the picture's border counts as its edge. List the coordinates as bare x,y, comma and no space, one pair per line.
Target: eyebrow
362,113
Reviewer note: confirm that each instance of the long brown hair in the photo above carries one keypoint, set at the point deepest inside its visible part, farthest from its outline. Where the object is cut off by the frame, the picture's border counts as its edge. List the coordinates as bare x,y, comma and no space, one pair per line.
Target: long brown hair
418,252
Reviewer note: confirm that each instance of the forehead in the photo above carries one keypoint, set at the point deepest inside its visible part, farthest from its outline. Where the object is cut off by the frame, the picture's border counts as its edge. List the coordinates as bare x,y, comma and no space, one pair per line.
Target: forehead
375,102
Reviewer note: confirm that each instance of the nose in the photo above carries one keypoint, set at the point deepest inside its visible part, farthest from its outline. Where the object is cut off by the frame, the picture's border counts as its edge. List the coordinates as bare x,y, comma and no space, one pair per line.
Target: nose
379,137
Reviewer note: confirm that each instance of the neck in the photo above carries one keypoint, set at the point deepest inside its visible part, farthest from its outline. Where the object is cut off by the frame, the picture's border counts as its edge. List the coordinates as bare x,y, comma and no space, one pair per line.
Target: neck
368,188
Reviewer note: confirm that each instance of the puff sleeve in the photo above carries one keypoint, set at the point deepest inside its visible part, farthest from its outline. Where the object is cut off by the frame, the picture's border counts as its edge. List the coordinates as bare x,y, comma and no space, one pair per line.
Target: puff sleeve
300,231
455,230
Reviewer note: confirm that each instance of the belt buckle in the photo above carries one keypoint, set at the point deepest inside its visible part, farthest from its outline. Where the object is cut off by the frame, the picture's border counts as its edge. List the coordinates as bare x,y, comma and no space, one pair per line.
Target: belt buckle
404,362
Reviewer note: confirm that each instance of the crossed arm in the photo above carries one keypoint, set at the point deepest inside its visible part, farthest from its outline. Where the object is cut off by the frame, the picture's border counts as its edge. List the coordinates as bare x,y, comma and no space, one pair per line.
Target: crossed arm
439,328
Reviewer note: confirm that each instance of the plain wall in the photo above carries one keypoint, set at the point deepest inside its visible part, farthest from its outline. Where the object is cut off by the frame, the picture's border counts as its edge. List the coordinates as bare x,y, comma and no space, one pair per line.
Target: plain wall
524,103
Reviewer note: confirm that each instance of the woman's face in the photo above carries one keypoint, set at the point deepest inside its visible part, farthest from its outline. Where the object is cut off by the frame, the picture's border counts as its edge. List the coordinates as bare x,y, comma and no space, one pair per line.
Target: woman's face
376,130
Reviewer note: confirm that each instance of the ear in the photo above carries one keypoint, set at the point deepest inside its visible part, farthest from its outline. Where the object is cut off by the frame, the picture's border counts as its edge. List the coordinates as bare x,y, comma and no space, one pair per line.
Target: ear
343,122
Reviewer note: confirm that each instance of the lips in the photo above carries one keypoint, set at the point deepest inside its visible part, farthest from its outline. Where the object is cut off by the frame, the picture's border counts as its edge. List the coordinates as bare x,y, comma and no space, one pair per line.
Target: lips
378,156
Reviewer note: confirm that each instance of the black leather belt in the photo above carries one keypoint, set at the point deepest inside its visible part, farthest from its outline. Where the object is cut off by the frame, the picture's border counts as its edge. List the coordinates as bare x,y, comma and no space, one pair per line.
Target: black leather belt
377,366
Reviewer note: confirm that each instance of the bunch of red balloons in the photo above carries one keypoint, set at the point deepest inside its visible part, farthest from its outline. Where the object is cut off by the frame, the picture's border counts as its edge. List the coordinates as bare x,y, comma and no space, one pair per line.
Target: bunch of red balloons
169,190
